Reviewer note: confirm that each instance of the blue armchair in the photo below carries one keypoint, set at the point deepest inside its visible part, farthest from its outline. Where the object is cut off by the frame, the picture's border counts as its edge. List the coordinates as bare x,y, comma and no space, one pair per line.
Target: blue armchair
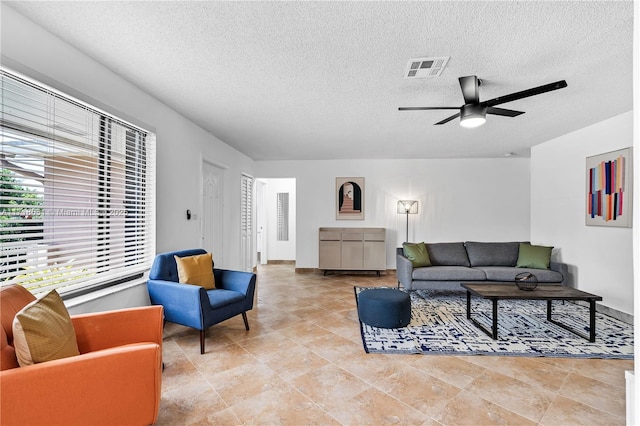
192,305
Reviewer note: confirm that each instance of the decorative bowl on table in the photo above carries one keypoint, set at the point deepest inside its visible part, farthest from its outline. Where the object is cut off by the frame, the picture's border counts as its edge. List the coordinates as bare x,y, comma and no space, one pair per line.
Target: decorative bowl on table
526,281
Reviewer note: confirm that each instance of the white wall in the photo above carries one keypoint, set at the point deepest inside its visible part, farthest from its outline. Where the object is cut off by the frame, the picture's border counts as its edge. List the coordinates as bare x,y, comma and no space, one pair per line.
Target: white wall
460,200
280,250
600,258
181,145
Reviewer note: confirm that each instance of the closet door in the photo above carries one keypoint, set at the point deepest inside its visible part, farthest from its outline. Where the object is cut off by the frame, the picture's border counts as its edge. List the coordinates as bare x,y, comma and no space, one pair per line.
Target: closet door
352,250
330,250
375,255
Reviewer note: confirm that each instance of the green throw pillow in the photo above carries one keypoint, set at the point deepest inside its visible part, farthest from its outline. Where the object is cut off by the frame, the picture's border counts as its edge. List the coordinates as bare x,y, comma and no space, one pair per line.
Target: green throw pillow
536,257
417,254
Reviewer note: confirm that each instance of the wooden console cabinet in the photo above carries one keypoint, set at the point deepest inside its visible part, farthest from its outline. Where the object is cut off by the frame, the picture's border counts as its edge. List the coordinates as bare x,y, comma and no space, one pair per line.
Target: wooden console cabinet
352,249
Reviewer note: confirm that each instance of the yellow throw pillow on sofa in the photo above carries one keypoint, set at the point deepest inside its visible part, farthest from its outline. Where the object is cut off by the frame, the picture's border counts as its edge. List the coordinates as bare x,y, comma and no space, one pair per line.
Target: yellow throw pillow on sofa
43,331
196,270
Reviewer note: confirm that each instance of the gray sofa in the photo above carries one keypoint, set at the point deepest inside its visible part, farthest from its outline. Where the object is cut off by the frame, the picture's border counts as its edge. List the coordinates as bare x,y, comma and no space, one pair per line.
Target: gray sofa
453,263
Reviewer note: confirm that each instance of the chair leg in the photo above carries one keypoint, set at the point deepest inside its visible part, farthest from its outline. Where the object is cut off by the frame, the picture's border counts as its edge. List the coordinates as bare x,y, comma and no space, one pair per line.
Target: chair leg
246,322
201,342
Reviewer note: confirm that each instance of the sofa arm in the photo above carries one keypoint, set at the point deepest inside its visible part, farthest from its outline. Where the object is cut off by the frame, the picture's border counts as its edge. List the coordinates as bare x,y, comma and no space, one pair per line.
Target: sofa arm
114,386
240,281
404,271
183,303
104,330
562,268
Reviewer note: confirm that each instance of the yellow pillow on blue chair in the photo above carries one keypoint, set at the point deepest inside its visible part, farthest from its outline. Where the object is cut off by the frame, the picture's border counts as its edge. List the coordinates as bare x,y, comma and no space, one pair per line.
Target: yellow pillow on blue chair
196,270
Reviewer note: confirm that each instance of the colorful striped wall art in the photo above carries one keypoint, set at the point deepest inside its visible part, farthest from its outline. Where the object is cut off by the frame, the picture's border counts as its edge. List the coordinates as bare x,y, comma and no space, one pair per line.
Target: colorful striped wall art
609,189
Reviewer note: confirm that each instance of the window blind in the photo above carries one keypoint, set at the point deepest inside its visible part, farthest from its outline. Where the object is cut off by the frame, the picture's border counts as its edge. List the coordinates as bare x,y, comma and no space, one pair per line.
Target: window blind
246,217
77,204
246,222
283,216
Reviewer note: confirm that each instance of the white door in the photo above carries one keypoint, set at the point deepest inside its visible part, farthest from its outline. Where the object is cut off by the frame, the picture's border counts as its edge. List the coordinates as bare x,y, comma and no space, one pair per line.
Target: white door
211,218
246,223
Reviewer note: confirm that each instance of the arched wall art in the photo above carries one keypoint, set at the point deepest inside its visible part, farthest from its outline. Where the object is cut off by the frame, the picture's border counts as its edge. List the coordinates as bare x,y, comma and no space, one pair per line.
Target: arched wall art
350,198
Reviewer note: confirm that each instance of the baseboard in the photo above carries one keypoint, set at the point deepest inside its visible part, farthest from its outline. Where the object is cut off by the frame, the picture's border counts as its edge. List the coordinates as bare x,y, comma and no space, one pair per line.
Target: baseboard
614,313
281,262
317,271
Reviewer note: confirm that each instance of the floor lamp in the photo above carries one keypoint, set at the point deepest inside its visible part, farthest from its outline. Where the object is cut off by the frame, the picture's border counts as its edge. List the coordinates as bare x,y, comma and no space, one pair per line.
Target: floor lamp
407,207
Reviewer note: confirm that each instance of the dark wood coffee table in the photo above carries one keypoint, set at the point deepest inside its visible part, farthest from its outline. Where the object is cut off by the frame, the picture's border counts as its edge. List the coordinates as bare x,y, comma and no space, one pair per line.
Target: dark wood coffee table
502,291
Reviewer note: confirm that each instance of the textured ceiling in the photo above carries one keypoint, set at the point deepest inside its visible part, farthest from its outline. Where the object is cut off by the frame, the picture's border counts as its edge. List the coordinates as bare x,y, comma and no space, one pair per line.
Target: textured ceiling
324,80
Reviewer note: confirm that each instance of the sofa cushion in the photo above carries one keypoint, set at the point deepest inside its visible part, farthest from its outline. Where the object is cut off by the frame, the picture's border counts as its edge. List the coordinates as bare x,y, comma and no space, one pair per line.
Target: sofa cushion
531,256
492,254
448,273
508,274
220,297
43,331
417,254
448,254
196,270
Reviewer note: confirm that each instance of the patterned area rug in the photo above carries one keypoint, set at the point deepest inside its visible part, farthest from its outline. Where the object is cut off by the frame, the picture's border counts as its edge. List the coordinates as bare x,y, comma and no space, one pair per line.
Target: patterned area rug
439,325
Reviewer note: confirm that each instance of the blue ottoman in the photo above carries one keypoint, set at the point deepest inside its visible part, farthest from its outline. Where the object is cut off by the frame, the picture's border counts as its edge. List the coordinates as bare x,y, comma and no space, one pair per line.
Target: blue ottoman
384,307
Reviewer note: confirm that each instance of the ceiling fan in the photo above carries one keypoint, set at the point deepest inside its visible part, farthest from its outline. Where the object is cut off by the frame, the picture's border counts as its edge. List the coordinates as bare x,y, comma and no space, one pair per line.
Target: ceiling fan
473,112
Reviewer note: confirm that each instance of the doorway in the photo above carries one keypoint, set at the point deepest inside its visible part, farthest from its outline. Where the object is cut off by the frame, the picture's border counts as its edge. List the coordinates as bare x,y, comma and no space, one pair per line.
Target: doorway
276,220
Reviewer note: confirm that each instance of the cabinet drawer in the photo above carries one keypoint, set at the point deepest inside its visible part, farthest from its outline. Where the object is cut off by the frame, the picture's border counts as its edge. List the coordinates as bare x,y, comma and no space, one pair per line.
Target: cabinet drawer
374,236
352,236
329,236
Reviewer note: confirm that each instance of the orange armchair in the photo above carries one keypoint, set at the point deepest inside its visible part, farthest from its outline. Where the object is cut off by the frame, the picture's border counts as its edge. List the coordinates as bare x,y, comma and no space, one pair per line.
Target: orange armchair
116,379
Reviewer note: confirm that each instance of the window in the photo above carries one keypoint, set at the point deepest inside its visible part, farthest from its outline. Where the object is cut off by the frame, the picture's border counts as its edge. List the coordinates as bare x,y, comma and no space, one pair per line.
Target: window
77,192
283,216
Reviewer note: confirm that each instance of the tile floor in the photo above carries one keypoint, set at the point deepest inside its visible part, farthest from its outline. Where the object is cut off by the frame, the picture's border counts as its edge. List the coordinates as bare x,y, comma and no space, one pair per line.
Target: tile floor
302,363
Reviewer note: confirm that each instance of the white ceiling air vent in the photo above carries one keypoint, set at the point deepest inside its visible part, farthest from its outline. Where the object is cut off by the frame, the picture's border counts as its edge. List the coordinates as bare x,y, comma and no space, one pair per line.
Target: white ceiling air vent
425,67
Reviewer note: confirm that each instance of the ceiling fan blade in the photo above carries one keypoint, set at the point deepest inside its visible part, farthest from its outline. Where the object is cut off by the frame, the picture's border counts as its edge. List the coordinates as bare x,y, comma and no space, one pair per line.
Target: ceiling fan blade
448,119
424,108
526,93
505,112
469,86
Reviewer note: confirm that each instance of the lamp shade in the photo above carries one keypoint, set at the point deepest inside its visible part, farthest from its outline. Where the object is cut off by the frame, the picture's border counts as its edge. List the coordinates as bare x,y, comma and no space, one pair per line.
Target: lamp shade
408,206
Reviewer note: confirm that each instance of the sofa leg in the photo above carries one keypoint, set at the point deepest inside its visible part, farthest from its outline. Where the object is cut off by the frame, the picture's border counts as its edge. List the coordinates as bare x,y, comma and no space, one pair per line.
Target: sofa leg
246,322
201,342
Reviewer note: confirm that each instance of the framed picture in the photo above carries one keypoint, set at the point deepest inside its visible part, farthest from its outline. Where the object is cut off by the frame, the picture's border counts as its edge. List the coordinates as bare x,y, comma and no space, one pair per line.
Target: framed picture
609,189
350,198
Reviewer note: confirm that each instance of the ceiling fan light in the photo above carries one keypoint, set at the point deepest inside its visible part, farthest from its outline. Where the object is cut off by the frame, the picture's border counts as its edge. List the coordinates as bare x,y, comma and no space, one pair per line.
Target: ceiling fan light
471,122
472,116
